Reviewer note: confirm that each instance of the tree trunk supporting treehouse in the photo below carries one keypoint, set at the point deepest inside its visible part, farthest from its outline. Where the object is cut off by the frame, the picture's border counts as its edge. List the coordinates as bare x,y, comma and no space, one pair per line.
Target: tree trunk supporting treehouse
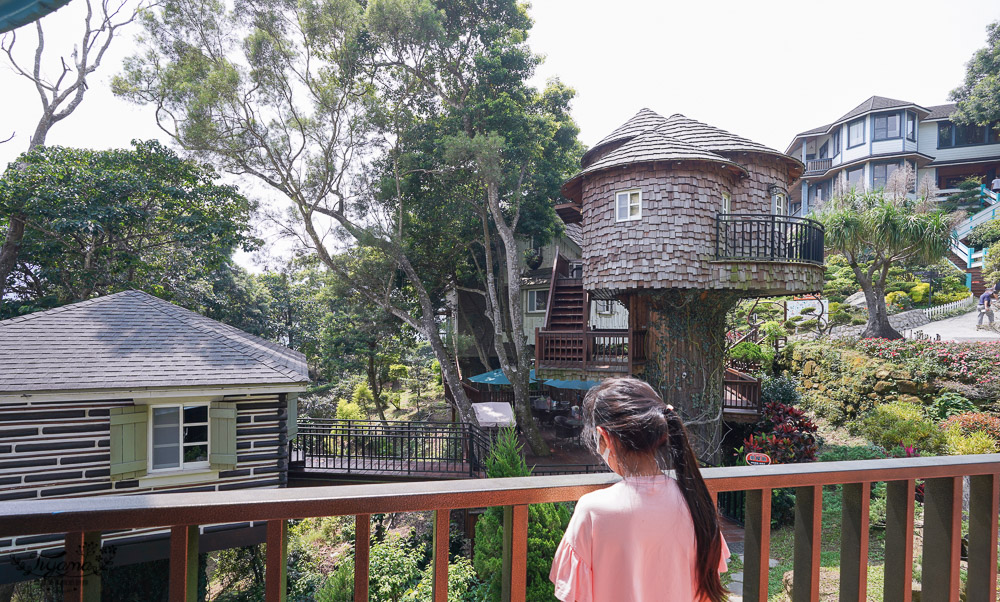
686,359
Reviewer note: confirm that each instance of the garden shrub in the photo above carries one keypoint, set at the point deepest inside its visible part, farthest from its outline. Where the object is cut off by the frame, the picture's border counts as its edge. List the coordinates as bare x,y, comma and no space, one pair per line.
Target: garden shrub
945,298
898,301
546,525
785,434
748,352
782,389
972,422
394,568
949,404
772,331
348,410
900,424
339,585
919,292
362,396
984,235
398,372
976,442
838,453
461,583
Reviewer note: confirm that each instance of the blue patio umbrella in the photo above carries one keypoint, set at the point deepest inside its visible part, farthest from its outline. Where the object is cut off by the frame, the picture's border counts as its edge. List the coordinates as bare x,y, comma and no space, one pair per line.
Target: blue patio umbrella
582,385
496,377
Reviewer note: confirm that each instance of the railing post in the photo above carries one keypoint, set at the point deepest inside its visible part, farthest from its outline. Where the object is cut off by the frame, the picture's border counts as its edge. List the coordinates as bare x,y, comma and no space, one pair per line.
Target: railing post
854,543
984,494
515,554
942,534
442,522
82,581
757,546
184,563
808,512
899,541
362,544
276,561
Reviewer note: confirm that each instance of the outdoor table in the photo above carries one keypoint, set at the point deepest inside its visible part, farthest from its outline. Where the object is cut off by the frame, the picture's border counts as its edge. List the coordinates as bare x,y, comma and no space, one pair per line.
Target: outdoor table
568,427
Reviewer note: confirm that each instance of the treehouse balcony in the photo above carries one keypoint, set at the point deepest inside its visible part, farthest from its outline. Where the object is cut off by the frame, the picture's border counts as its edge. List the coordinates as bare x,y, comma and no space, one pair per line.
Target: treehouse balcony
82,524
602,353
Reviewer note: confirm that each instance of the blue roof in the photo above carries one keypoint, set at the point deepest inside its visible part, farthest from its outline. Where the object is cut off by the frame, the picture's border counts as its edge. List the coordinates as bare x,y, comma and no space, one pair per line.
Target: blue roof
15,13
497,377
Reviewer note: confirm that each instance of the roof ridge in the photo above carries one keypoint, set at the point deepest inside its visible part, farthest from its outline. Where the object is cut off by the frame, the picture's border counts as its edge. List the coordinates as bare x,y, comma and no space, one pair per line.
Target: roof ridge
61,308
202,325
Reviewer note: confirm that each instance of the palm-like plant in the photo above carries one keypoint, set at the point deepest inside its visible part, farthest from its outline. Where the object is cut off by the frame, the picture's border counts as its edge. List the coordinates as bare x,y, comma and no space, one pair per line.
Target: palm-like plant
877,229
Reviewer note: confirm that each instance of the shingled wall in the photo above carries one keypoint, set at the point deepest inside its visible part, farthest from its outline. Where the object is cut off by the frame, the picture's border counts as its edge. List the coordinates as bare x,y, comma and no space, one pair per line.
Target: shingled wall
60,449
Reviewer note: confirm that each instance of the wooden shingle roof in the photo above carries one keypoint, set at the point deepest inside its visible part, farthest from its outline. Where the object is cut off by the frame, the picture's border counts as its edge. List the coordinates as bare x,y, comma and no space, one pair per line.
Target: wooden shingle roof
654,145
133,340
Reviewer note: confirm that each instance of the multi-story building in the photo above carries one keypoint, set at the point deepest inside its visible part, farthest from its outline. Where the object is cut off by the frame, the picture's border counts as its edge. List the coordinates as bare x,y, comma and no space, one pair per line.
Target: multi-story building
868,143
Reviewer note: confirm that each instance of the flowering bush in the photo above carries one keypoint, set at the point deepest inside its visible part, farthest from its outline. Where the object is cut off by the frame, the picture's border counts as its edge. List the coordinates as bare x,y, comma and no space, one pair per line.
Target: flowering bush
787,435
971,362
972,422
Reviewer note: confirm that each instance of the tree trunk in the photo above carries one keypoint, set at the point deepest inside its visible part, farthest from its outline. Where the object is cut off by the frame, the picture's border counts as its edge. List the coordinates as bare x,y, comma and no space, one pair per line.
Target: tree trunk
878,326
686,361
11,249
374,386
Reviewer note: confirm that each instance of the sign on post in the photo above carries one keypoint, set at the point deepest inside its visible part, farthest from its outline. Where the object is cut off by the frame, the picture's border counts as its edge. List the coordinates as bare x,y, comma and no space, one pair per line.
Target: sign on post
758,459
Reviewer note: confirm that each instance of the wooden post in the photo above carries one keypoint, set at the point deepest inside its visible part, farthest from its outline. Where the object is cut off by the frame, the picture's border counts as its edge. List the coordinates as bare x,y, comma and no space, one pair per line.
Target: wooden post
82,581
515,554
276,562
808,515
184,563
942,535
899,541
984,493
757,545
854,543
442,522
362,543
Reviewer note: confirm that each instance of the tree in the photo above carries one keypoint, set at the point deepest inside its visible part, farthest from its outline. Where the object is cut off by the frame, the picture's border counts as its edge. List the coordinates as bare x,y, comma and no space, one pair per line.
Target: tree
59,95
979,95
271,90
99,222
877,230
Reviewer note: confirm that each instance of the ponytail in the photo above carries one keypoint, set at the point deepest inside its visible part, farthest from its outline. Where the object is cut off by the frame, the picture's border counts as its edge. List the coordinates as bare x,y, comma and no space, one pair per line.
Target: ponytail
642,425
703,511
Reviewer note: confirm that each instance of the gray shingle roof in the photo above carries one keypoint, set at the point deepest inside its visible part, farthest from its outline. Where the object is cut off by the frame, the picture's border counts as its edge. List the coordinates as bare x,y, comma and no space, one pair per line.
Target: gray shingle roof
708,137
875,103
941,111
134,340
642,121
655,146
574,232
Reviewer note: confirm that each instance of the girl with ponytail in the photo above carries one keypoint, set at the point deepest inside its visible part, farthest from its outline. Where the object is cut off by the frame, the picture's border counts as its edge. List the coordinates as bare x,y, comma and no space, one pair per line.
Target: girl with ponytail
649,537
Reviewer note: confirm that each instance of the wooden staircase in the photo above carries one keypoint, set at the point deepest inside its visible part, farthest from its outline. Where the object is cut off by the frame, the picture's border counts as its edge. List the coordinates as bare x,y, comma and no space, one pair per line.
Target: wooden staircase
568,304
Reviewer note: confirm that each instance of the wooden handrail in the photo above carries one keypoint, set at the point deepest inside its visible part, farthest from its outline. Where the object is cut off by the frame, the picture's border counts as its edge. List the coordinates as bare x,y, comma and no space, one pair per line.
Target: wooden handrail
942,519
560,267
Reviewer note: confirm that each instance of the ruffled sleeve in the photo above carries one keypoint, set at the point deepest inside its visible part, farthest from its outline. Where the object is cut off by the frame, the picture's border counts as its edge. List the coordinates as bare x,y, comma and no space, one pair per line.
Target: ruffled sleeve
723,564
573,577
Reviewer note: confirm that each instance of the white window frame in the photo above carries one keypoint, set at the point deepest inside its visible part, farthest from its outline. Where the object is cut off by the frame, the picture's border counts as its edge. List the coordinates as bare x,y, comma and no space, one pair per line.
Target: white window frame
532,308
779,203
727,203
627,194
605,307
182,465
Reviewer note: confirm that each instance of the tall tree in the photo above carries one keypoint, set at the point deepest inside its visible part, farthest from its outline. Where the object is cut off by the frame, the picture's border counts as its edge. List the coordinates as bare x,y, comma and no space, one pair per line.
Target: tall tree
103,221
979,95
876,230
61,85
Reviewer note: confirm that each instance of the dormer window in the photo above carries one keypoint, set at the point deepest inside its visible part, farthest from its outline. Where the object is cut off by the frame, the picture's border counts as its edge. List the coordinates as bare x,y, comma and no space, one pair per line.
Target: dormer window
628,205
727,203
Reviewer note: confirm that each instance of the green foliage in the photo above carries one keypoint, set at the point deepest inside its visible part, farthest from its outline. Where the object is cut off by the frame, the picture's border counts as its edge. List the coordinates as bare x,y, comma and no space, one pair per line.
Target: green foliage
773,331
748,351
977,442
785,434
462,583
949,404
979,95
840,453
394,568
349,410
339,585
919,293
898,301
901,424
546,525
398,372
105,221
362,396
782,389
984,235
239,574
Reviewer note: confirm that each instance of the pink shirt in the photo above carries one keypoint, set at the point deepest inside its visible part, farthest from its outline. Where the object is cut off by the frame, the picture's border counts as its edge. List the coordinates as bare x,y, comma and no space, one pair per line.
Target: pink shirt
630,542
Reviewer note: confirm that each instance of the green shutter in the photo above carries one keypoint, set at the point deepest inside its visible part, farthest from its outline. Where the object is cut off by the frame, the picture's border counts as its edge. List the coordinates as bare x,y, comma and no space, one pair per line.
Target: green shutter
128,442
293,415
222,439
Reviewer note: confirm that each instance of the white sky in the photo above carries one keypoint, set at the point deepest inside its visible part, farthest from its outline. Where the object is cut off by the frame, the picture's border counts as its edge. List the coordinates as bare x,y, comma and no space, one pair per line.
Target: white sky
764,70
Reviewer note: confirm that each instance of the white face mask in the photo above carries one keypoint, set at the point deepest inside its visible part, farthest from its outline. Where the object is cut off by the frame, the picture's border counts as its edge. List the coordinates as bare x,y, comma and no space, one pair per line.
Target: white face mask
605,454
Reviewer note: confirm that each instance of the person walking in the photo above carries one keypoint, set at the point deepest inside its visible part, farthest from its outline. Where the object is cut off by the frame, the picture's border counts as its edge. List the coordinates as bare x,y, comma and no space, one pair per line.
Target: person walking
986,308
995,185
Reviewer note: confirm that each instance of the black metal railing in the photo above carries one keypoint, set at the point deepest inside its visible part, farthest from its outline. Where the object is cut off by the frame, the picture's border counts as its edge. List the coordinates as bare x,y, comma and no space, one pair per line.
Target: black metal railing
391,447
757,237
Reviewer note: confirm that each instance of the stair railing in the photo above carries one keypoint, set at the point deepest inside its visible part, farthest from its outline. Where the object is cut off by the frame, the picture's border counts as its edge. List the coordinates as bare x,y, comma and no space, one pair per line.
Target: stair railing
560,267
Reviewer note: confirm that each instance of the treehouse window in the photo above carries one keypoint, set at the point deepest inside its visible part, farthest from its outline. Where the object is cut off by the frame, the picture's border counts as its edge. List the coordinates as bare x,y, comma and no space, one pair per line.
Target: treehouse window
537,301
628,205
727,203
605,307
179,438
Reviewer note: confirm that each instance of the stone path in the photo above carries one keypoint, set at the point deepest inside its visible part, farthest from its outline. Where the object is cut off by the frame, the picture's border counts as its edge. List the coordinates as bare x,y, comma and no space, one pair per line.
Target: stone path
960,328
736,585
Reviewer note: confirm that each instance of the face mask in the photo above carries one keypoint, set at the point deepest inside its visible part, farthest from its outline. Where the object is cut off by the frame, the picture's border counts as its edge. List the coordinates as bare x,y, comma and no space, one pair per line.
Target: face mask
605,454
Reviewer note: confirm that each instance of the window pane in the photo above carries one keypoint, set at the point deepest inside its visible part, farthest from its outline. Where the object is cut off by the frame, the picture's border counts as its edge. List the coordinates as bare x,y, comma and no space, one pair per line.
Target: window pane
195,434
622,205
911,126
854,177
944,135
633,207
195,414
994,134
969,134
540,300
166,437
165,457
856,133
892,126
195,453
879,130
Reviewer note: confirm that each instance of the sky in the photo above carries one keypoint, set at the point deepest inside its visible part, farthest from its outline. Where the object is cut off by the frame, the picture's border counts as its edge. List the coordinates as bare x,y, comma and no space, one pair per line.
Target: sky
764,70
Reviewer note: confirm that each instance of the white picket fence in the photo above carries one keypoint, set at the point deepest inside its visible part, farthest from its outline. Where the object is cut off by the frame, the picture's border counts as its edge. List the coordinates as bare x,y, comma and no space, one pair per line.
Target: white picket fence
940,310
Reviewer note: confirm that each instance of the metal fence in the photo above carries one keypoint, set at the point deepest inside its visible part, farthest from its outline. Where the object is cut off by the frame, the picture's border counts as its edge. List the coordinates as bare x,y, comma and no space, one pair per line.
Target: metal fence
760,237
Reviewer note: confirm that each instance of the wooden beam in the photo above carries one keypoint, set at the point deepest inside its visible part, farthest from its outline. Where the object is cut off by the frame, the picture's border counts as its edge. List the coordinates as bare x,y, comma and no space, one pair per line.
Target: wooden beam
808,517
854,543
184,563
757,545
442,522
362,545
276,563
984,493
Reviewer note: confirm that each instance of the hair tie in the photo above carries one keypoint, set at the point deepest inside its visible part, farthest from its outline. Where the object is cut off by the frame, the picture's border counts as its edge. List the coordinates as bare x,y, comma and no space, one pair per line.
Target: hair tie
670,408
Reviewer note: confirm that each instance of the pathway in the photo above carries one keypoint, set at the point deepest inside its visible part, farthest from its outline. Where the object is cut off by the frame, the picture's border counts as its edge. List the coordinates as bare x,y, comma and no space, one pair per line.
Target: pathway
960,328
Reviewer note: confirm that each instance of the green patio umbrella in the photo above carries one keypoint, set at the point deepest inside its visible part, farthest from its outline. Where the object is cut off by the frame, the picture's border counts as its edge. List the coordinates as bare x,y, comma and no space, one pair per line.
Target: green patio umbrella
582,385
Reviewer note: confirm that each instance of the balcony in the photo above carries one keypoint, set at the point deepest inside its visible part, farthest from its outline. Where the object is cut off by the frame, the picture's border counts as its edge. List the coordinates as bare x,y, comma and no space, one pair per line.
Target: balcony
613,351
818,165
767,238
84,519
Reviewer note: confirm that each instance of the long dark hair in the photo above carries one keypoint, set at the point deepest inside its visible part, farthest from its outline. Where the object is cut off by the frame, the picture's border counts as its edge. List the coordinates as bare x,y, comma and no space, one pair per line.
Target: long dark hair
640,424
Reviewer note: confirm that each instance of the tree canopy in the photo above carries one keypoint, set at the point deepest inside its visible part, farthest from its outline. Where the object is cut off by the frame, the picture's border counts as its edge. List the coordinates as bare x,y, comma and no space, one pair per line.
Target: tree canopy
979,95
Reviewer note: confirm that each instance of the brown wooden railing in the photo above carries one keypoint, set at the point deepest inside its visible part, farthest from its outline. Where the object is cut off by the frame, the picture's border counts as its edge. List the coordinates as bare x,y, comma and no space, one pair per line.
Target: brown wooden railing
83,520
740,391
598,350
